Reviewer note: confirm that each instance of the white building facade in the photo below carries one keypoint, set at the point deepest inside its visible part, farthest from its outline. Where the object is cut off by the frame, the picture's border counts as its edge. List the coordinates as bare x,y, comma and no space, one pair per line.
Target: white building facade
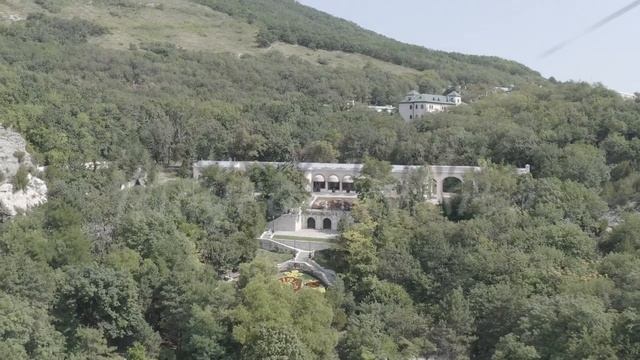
310,219
416,105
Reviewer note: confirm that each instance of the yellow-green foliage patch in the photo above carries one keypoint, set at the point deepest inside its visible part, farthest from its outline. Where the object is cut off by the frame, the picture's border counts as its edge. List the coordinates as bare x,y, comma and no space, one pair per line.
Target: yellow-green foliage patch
183,23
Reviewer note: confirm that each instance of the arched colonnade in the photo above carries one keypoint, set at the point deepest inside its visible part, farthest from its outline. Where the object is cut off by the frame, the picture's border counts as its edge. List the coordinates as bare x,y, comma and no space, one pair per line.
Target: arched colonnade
330,178
321,222
332,183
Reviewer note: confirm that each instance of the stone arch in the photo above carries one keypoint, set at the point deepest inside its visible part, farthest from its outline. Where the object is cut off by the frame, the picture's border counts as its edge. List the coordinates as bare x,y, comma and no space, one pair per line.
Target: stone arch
319,183
347,184
333,183
451,184
311,223
326,224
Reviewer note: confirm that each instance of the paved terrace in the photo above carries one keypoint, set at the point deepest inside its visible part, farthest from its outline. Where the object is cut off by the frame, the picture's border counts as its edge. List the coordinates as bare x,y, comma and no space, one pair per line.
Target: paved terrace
302,250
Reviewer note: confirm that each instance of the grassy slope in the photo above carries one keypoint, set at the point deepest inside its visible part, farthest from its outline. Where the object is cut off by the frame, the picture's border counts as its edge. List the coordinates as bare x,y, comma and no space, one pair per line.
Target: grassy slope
294,23
189,25
185,24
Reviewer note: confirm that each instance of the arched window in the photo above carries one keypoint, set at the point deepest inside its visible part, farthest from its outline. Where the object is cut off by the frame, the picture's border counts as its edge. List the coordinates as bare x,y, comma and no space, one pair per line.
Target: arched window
318,183
347,184
326,224
451,185
334,183
311,223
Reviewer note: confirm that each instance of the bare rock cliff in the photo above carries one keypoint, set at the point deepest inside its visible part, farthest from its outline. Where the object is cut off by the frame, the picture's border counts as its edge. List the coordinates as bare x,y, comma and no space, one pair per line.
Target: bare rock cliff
13,156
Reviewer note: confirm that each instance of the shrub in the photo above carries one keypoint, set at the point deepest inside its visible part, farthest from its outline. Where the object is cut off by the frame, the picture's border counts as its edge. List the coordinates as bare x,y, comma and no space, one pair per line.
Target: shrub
21,179
19,155
49,5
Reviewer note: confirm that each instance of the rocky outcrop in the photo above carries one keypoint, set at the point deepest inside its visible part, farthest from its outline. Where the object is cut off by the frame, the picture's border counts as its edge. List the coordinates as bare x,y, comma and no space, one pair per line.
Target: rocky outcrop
13,152
15,202
13,156
139,178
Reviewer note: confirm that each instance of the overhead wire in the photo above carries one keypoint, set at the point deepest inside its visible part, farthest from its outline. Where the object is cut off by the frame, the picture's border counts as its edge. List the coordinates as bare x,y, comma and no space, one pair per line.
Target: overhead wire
592,28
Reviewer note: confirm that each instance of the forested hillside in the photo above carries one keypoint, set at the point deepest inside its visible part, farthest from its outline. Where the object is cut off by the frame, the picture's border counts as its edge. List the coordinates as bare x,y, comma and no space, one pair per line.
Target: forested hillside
293,23
541,266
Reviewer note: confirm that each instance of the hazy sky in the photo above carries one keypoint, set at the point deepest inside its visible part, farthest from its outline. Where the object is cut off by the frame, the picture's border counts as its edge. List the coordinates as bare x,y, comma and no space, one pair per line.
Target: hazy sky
520,30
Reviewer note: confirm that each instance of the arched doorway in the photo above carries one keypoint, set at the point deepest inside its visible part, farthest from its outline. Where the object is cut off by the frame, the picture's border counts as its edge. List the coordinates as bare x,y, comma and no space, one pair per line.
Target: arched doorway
334,183
326,224
318,183
311,223
451,185
347,184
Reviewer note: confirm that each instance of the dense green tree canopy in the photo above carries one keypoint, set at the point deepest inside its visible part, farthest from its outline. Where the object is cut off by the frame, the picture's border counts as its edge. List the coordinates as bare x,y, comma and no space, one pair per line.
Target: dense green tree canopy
535,266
